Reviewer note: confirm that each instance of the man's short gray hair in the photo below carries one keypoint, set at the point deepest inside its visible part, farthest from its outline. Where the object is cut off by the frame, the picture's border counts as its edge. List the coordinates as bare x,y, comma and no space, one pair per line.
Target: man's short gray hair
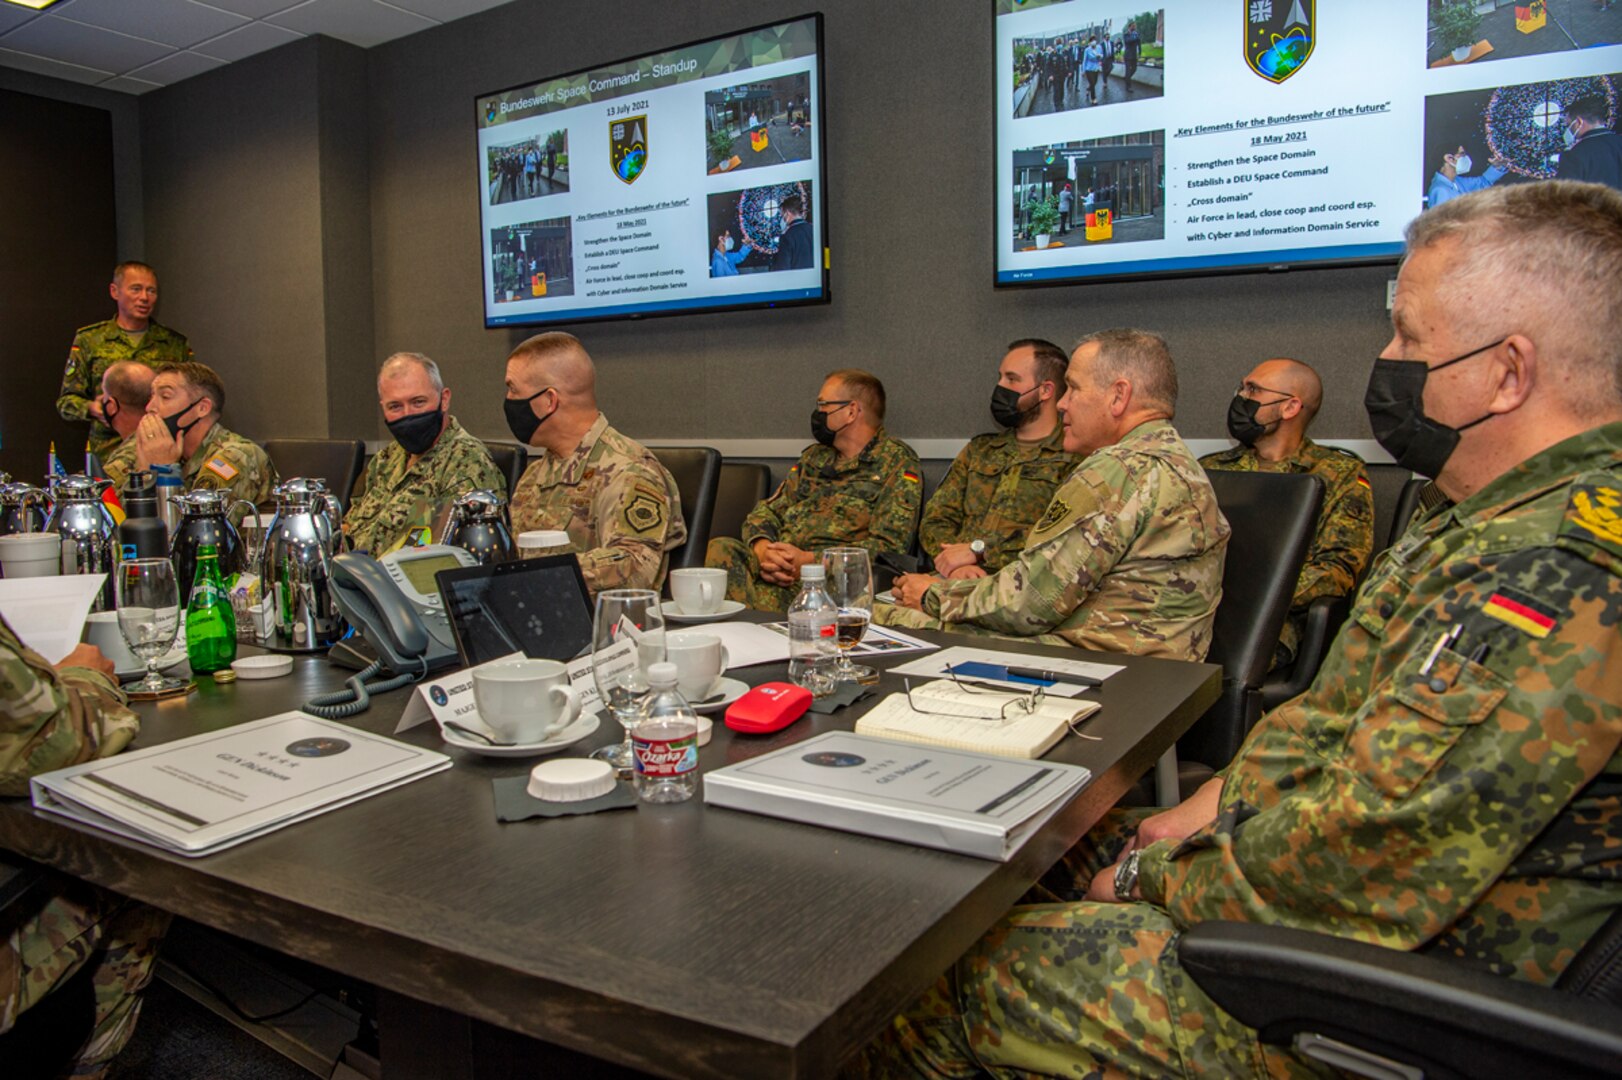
399,359
1547,254
1140,357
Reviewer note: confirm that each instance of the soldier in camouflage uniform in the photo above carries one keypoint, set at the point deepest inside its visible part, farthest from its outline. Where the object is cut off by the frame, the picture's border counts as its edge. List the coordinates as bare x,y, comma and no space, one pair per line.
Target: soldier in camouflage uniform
130,335
412,482
1000,484
1452,782
126,388
1128,555
856,487
1269,417
619,505
51,718
182,428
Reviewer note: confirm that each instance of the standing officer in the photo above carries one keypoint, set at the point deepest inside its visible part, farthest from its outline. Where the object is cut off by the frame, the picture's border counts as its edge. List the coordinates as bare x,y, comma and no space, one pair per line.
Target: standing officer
130,335
856,487
976,521
1268,417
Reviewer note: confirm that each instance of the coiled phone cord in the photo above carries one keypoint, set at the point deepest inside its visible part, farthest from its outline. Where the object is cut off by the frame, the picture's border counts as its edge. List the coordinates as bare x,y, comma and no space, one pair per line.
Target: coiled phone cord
356,697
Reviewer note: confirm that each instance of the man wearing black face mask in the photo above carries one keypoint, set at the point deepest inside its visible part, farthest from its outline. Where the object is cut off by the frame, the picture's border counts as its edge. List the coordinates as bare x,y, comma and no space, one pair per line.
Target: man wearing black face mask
126,387
857,487
1594,150
1268,417
411,483
182,430
999,485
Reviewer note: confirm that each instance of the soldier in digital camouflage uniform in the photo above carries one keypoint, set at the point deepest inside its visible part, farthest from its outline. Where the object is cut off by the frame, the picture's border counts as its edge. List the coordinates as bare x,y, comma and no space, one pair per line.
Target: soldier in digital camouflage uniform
1128,555
1000,483
126,388
856,487
130,335
1452,782
619,505
411,483
1269,417
182,428
51,718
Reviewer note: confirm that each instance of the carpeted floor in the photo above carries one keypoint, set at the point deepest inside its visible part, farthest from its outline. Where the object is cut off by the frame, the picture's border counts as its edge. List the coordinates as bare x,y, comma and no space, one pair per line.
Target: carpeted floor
178,1039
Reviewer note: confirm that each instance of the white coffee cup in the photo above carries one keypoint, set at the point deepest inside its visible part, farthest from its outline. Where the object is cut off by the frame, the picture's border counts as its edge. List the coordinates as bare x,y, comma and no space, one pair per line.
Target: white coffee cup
25,555
537,542
101,630
698,591
525,701
700,661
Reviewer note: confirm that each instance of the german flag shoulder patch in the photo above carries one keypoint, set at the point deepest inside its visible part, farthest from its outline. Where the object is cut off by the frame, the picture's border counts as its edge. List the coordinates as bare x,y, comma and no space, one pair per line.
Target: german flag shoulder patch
1522,612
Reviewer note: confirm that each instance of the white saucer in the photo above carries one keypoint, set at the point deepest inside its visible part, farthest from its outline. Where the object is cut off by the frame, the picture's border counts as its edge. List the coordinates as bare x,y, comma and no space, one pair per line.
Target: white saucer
727,609
171,659
582,727
731,689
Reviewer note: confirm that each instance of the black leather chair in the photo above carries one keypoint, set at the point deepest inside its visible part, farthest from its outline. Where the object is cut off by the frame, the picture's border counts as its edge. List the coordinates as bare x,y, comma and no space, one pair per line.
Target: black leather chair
696,469
1322,623
511,460
1407,505
741,486
337,461
1273,517
1398,1014
1386,482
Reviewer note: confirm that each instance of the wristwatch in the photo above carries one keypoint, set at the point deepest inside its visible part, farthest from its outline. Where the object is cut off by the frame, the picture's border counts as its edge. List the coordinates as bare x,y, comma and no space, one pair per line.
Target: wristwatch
1126,876
978,547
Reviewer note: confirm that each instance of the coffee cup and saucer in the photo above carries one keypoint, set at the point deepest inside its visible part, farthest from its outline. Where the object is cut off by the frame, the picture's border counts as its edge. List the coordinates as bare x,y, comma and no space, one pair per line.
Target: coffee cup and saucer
698,595
701,663
524,707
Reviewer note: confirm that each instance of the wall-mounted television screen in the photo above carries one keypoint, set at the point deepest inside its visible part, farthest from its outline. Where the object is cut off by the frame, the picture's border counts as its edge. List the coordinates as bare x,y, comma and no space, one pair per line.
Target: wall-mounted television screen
686,180
1194,136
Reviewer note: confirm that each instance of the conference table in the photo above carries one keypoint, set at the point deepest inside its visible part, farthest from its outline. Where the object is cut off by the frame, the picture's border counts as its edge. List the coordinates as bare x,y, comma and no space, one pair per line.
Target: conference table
678,940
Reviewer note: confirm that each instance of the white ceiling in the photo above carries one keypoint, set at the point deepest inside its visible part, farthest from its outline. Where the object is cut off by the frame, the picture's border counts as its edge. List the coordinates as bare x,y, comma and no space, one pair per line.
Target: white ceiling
140,45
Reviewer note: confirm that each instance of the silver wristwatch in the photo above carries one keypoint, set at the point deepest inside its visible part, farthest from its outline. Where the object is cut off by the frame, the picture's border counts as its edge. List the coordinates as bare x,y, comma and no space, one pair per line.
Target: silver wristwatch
1126,876
978,547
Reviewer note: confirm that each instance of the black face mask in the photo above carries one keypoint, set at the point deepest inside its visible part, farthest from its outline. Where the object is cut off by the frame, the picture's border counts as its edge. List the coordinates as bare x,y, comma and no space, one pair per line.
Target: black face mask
820,430
109,409
521,419
1005,410
177,430
1395,401
417,433
1242,422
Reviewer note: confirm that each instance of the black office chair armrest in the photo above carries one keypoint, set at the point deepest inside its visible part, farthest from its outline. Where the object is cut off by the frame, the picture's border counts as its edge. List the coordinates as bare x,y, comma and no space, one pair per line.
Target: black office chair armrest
1324,616
1427,1012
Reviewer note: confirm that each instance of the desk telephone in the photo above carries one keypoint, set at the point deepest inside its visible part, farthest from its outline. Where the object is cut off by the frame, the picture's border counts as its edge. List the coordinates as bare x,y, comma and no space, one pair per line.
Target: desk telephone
394,603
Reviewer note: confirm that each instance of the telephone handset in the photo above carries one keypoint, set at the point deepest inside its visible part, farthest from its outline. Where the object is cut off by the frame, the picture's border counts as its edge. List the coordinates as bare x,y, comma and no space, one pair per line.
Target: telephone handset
394,604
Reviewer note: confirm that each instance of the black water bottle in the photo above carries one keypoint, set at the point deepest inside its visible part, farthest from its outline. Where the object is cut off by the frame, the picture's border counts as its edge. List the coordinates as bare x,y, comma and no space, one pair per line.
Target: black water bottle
142,534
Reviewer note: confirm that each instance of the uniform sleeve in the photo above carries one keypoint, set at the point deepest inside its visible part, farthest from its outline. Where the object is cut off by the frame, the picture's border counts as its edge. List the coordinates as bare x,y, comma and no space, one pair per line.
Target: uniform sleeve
943,516
1441,781
118,465
74,402
637,520
1344,540
1087,527
254,476
360,517
765,521
895,516
50,720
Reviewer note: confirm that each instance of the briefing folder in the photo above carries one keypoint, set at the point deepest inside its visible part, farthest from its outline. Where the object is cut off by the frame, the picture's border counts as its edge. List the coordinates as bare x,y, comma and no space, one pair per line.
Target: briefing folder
973,804
199,795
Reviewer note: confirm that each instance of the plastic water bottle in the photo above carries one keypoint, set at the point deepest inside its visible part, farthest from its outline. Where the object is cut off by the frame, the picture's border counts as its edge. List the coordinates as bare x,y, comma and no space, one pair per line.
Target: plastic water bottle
813,647
664,741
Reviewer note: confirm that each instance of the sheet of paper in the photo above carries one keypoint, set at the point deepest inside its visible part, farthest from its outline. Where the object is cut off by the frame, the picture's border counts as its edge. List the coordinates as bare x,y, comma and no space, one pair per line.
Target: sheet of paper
48,613
748,643
935,666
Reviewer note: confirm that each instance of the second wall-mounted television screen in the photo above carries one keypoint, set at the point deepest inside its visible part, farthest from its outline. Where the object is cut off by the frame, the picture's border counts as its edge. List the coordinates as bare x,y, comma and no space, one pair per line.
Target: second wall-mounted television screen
686,180
1190,136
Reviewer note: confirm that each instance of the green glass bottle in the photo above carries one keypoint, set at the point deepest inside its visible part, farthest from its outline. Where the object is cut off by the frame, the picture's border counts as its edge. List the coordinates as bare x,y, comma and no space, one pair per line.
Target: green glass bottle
211,625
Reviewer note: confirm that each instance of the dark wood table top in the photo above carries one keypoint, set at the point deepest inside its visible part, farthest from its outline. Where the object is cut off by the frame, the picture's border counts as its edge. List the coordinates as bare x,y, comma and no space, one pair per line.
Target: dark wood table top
682,940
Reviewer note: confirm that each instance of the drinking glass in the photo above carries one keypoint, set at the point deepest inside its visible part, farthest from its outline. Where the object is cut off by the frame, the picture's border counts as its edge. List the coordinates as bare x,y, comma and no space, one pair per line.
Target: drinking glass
850,587
627,637
149,617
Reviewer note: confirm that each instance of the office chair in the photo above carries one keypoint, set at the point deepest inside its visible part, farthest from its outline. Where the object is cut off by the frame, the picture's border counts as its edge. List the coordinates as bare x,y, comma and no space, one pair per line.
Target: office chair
740,488
1407,505
337,461
511,460
1386,483
696,470
1379,1012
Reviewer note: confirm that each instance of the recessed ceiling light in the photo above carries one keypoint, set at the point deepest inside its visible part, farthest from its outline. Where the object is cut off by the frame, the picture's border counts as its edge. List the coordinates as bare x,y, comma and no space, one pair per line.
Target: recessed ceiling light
35,4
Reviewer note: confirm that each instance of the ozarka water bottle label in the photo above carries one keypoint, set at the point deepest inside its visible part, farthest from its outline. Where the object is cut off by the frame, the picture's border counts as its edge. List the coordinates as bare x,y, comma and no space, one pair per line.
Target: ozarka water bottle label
665,757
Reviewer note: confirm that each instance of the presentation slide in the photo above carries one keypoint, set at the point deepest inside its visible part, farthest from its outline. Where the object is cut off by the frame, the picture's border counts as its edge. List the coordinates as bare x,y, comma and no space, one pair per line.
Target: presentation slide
688,180
1201,135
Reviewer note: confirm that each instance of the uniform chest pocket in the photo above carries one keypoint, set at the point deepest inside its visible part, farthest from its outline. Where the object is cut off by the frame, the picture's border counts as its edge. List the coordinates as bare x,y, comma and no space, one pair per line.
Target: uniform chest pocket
1045,471
854,493
1399,744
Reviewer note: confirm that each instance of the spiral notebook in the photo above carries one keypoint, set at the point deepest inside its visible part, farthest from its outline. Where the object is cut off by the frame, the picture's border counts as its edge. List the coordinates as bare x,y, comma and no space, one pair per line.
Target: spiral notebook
945,714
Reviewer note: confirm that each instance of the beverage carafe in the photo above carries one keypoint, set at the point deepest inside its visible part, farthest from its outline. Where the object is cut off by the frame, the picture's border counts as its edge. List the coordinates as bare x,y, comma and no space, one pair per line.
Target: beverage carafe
296,567
478,524
205,520
87,530
23,508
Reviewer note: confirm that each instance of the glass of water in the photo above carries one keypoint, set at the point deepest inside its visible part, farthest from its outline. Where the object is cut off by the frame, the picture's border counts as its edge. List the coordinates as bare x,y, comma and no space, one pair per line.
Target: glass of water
627,637
149,617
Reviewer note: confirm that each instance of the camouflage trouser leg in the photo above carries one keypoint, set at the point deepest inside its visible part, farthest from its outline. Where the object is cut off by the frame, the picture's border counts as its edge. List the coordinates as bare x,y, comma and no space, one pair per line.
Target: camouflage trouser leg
744,583
53,937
